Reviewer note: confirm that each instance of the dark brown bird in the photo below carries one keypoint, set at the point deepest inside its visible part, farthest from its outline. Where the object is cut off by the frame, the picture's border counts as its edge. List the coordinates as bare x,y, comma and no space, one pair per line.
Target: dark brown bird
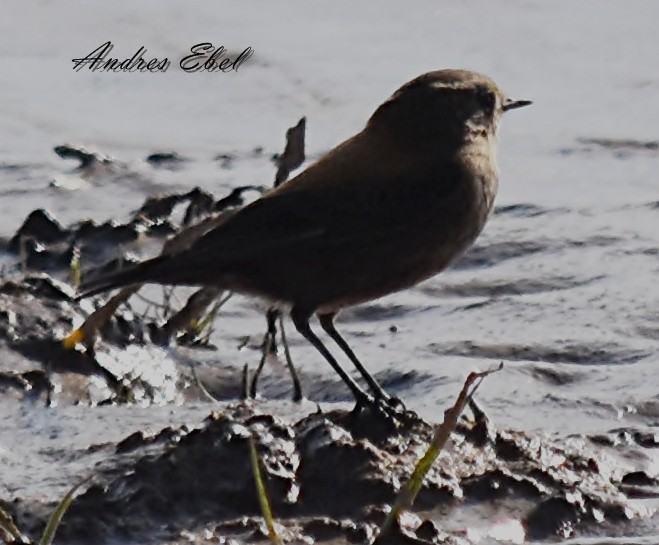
390,207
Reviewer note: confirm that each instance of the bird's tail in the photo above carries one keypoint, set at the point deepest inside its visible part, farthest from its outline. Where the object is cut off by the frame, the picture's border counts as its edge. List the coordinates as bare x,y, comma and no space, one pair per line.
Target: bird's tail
147,271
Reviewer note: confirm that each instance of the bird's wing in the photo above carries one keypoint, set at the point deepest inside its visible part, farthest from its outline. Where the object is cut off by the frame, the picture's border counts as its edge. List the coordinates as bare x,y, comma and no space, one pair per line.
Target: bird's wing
267,225
333,215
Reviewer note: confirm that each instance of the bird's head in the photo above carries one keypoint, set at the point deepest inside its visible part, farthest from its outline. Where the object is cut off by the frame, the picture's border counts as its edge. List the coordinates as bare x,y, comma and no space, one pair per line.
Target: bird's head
444,108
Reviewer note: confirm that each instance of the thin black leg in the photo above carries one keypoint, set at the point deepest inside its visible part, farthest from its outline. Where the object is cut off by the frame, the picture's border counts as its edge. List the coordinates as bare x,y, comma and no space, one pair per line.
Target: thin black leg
300,319
297,388
327,323
268,347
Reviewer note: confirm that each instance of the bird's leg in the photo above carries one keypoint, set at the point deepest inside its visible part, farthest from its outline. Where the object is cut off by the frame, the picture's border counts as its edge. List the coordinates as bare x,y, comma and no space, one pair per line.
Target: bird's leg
297,388
327,323
300,319
267,348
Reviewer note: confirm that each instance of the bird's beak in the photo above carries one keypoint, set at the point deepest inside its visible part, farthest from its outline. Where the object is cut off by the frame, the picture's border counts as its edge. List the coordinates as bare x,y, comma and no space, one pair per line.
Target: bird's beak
510,104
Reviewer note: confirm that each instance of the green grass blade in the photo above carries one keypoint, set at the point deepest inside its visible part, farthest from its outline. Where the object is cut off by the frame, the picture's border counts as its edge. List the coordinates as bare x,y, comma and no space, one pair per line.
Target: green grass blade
56,516
441,436
262,493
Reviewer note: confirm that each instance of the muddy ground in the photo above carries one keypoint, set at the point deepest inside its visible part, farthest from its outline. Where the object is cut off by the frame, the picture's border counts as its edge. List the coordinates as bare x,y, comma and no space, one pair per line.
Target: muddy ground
332,475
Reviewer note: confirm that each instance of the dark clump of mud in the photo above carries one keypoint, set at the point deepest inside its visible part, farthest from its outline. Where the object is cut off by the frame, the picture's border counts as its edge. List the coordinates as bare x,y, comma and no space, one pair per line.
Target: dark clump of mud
38,307
32,311
333,477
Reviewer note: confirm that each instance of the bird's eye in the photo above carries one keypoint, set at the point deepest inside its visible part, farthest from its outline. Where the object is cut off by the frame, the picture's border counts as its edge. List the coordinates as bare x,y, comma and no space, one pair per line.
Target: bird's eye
486,99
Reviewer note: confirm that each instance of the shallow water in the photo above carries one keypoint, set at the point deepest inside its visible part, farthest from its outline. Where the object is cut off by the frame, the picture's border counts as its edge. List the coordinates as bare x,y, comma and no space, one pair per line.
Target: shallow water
561,286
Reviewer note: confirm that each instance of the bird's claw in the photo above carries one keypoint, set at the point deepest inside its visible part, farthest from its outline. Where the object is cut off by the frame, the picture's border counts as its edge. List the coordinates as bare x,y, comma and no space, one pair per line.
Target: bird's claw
390,409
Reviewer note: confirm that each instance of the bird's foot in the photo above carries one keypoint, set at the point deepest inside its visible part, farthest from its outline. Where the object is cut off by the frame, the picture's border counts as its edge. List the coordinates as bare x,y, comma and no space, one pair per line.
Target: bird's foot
394,406
395,403
389,410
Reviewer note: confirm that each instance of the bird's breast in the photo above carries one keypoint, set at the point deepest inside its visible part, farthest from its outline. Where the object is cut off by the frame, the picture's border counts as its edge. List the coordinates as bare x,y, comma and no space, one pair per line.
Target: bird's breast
459,218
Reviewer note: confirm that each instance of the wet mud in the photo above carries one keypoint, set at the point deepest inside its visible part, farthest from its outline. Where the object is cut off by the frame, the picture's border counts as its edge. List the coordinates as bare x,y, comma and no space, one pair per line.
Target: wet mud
332,475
